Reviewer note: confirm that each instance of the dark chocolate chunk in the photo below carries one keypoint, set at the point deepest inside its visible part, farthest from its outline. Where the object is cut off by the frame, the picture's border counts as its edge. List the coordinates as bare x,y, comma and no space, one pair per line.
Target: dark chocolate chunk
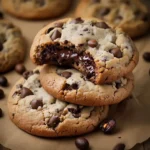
3,81
49,30
53,121
66,74
108,126
56,34
1,46
59,24
25,92
120,146
118,84
1,113
20,68
77,20
103,11
36,103
116,52
146,56
75,112
82,143
92,43
27,74
101,25
2,95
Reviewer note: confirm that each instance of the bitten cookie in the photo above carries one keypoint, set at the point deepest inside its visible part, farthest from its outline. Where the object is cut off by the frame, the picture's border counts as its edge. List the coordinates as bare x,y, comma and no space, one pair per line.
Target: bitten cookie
89,45
11,46
33,110
130,15
71,86
36,9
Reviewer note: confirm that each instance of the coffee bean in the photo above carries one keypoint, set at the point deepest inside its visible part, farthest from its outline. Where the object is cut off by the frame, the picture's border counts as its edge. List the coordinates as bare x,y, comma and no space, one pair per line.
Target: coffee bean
2,95
1,15
1,113
3,81
101,25
27,74
120,146
77,20
92,43
66,74
107,126
25,92
104,11
1,46
56,34
36,103
59,24
20,68
116,52
146,56
53,121
82,143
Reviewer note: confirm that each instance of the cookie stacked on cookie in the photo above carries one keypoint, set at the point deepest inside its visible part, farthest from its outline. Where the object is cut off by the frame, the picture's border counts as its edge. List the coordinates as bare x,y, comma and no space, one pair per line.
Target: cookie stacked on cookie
85,67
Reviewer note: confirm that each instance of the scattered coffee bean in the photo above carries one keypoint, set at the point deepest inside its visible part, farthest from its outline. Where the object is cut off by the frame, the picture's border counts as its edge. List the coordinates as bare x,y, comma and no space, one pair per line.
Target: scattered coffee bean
82,143
36,103
59,24
53,121
3,81
101,25
20,68
1,46
66,74
104,11
146,56
116,52
27,74
1,15
92,43
1,113
77,20
2,95
56,34
25,92
107,126
119,147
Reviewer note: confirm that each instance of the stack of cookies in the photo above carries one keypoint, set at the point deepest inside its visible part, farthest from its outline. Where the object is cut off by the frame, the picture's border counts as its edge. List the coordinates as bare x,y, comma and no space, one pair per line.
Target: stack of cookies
83,67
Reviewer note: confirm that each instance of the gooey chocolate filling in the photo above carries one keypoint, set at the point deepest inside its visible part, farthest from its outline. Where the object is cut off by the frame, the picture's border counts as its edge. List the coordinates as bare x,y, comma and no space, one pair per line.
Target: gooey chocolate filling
65,56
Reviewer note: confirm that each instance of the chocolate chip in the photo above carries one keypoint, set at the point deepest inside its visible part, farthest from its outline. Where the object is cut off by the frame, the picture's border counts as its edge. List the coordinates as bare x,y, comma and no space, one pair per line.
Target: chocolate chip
37,71
49,30
27,74
75,112
3,81
40,2
116,52
66,74
1,113
25,92
9,26
119,18
82,143
56,34
92,43
59,24
103,11
20,68
120,146
107,126
118,84
36,103
71,87
95,1
53,121
77,20
1,15
101,25
1,46
146,56
2,95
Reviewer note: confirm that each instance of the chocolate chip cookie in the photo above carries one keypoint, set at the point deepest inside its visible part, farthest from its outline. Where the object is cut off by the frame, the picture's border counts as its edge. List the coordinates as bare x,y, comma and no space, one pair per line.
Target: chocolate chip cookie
71,86
130,15
101,53
33,110
11,46
36,9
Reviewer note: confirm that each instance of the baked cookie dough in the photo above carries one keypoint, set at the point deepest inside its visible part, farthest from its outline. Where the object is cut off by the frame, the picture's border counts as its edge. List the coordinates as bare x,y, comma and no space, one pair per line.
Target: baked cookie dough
71,86
101,53
11,46
130,15
33,110
36,9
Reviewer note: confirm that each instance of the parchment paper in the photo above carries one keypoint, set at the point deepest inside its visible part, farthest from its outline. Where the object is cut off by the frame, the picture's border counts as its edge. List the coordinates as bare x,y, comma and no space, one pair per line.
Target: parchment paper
133,115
